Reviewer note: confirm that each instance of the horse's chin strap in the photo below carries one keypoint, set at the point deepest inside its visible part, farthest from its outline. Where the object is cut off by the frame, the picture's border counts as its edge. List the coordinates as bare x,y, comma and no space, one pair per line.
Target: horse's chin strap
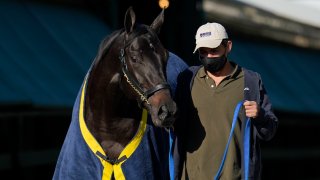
144,95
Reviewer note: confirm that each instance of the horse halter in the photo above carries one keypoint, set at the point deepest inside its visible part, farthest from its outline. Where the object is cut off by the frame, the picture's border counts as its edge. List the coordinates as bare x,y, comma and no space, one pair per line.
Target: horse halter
144,95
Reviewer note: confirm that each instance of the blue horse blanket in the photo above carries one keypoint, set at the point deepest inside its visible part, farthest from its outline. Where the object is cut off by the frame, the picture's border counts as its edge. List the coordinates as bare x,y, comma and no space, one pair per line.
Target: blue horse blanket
147,153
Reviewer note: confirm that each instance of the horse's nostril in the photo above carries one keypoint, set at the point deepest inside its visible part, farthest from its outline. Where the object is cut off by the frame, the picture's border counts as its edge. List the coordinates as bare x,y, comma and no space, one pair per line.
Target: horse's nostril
163,112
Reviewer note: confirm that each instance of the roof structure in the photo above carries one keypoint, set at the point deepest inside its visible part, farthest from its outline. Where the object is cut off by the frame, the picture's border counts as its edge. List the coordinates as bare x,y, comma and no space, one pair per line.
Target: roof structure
281,20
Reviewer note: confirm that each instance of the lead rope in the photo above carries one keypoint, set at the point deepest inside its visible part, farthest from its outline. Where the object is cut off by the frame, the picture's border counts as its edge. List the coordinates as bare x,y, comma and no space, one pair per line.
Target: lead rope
171,160
246,144
247,149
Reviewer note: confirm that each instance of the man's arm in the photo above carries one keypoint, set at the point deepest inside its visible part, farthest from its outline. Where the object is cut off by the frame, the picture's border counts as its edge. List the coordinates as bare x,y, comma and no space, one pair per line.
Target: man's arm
266,122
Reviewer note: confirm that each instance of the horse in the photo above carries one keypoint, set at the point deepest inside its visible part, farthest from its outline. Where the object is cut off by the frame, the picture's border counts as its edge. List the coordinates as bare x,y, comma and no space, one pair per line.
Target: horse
109,136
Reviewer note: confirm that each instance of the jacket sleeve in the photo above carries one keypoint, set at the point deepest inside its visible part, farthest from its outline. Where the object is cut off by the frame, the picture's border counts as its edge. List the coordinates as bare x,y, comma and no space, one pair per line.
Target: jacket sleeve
266,123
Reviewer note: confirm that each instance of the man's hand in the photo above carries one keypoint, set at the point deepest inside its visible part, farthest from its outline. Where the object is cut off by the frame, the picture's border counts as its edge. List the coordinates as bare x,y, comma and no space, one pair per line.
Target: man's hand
251,108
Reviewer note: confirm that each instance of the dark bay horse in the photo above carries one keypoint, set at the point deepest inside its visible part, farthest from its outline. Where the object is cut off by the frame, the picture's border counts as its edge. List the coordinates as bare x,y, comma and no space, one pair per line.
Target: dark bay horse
109,137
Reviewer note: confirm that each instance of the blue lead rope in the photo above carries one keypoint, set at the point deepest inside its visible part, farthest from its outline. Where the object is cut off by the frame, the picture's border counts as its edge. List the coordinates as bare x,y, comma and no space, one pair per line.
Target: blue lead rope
246,144
171,161
247,149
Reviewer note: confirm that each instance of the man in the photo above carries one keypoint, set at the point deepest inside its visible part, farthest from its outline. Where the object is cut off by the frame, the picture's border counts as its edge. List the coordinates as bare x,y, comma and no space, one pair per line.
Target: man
207,97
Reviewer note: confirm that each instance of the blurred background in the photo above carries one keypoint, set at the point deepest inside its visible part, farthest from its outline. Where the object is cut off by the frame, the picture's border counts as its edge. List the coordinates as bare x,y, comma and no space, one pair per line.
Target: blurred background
47,46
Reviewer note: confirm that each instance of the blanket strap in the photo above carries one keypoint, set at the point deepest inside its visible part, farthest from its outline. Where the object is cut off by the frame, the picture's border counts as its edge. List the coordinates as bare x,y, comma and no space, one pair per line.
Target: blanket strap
111,161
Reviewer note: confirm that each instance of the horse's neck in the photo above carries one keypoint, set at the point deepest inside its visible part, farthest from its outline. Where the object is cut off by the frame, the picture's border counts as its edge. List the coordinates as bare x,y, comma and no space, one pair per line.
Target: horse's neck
110,116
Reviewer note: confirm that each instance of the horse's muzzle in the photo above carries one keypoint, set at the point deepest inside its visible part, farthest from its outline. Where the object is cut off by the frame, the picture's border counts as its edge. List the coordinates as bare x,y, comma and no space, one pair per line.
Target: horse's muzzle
166,114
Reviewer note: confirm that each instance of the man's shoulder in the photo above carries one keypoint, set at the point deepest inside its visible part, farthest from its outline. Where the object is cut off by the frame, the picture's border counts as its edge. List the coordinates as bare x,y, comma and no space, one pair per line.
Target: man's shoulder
194,69
186,77
250,73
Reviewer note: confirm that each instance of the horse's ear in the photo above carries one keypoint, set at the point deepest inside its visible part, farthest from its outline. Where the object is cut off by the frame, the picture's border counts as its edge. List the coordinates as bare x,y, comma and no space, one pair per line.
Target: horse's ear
157,23
129,20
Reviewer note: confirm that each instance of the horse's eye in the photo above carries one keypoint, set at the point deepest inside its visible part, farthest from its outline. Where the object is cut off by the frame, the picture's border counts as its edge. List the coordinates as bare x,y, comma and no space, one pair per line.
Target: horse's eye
134,58
151,46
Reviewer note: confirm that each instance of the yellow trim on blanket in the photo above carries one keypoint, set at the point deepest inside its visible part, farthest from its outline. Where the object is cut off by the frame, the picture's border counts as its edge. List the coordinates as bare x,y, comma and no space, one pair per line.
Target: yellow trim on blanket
95,146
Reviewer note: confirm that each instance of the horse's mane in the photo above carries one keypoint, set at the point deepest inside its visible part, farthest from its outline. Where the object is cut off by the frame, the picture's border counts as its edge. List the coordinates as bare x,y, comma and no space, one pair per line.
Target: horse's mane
105,45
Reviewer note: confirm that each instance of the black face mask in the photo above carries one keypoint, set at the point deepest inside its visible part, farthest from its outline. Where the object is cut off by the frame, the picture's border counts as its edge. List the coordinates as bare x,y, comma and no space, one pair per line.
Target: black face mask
214,64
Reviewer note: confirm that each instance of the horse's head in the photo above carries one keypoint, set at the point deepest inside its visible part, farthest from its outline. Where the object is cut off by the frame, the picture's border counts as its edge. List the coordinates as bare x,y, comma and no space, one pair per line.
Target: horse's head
144,62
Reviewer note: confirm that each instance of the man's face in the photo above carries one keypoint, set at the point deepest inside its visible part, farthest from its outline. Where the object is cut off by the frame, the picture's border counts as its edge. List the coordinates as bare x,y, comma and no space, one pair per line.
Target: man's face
212,52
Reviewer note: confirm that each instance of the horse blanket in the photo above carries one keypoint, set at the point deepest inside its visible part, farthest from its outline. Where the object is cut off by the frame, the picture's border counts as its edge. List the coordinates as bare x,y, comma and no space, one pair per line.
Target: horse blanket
82,157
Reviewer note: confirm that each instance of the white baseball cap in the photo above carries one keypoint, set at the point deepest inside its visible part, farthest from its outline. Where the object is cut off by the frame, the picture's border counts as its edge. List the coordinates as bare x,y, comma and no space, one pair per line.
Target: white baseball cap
210,35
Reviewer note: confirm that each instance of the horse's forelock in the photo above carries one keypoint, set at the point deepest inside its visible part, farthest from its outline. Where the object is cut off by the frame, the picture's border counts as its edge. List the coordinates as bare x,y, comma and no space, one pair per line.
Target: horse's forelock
106,43
141,29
